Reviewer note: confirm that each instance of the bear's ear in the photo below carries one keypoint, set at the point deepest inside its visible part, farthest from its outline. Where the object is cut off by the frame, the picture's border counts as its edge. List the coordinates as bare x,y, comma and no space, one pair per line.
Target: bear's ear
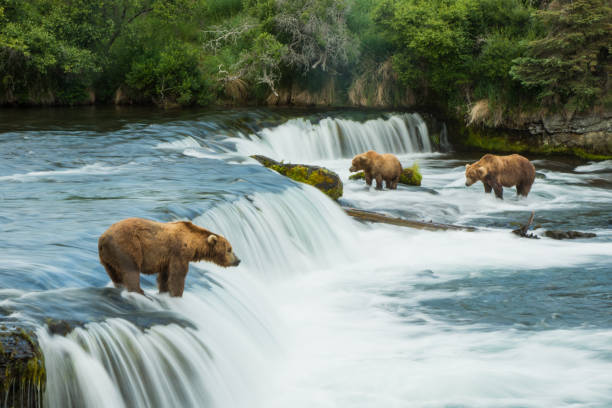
212,239
467,166
482,171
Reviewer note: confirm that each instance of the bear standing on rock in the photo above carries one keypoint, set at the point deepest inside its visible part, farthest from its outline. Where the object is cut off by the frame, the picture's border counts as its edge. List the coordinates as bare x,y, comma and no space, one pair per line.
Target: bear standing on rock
378,167
497,172
135,245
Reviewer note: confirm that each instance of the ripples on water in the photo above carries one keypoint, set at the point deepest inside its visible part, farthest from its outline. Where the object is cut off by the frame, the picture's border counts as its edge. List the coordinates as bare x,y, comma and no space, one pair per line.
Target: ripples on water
323,311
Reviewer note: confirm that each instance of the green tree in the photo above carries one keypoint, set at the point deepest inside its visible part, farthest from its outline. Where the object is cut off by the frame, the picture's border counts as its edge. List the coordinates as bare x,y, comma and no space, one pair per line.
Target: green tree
455,50
570,65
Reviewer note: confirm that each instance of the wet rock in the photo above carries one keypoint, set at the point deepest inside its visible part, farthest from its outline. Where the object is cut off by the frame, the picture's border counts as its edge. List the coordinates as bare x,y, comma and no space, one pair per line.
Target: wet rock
325,180
22,367
60,327
410,176
555,234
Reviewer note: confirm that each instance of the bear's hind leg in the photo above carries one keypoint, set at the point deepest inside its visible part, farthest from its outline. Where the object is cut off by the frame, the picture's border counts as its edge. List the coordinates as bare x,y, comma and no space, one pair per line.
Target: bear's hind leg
523,189
131,279
162,281
130,273
112,273
379,182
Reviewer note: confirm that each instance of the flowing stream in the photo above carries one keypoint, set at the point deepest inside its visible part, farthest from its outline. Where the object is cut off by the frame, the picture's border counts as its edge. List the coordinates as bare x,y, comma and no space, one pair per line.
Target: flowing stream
324,311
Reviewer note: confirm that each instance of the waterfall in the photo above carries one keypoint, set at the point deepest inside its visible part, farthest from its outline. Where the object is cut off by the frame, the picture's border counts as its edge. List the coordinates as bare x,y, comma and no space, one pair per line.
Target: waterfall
332,138
116,364
277,234
218,361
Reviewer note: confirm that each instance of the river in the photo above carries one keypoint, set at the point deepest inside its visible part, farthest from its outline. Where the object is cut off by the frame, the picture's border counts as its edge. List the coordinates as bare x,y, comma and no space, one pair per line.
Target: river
324,311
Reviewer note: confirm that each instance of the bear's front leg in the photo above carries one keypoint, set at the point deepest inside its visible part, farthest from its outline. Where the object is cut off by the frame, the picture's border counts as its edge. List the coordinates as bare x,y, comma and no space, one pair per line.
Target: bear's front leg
177,272
368,178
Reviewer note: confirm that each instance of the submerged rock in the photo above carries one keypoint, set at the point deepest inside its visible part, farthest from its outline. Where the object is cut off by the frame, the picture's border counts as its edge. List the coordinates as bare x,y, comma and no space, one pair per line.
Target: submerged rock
410,176
22,368
554,234
325,180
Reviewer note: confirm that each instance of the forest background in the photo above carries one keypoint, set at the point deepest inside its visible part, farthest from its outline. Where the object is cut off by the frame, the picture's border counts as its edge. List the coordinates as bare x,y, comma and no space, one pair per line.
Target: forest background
480,60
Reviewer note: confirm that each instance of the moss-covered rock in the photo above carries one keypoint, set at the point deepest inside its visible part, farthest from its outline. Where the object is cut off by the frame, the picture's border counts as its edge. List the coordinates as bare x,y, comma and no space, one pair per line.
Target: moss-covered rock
325,180
22,368
410,176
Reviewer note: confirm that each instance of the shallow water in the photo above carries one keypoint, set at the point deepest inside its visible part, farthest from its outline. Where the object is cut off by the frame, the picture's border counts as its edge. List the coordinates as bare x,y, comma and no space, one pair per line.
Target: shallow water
324,311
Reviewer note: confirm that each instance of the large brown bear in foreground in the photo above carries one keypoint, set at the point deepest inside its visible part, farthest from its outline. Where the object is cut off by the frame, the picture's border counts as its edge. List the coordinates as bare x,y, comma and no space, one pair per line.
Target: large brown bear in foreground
378,167
497,172
135,245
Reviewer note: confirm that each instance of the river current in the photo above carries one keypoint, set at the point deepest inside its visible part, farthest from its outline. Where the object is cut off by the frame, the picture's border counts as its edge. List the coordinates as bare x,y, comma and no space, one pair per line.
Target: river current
324,311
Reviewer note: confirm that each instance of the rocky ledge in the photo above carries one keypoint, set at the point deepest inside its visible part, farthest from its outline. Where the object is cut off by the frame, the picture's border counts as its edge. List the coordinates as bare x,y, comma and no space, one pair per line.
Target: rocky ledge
584,135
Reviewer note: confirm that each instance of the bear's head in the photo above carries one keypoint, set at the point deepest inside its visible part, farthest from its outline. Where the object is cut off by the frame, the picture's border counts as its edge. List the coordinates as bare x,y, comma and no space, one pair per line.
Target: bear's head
361,162
474,173
220,251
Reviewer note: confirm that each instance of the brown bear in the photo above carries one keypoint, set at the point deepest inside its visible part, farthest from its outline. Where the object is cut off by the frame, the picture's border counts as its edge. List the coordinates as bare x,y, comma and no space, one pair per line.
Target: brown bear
135,245
378,167
497,172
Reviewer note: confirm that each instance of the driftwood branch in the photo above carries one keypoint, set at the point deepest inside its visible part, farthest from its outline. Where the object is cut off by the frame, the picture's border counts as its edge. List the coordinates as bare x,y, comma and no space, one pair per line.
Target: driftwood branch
370,216
522,231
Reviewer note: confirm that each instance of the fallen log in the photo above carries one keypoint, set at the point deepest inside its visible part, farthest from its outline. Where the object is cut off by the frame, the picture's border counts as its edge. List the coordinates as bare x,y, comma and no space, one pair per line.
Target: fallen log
370,216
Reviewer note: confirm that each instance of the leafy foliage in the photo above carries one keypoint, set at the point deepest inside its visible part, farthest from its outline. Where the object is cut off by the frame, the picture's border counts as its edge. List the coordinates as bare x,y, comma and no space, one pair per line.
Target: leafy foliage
570,65
453,54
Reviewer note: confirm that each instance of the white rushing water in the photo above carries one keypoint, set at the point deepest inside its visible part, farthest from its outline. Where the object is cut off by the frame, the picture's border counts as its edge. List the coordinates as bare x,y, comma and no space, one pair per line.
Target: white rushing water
326,312
332,138
322,332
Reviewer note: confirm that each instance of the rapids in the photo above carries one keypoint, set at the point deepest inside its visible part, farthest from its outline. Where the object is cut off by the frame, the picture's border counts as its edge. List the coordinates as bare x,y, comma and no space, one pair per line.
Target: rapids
323,311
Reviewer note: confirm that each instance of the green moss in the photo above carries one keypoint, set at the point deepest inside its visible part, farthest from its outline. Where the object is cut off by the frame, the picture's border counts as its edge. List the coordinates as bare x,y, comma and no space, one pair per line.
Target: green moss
22,370
323,179
411,176
357,176
299,173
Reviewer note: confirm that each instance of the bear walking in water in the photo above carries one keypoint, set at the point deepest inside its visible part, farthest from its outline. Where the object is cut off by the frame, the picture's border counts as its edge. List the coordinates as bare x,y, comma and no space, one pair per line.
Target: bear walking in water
497,172
135,245
378,167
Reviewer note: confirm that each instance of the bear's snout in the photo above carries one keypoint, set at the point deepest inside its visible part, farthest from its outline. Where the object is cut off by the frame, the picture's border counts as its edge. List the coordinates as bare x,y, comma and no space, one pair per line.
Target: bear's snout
352,169
236,261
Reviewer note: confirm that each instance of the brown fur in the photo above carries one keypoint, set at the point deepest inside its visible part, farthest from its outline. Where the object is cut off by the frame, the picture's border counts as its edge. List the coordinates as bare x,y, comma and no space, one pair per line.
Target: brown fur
135,245
497,172
378,167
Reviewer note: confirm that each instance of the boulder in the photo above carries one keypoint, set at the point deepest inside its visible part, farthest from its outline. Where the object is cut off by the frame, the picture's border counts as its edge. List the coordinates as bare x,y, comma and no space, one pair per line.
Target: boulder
325,180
